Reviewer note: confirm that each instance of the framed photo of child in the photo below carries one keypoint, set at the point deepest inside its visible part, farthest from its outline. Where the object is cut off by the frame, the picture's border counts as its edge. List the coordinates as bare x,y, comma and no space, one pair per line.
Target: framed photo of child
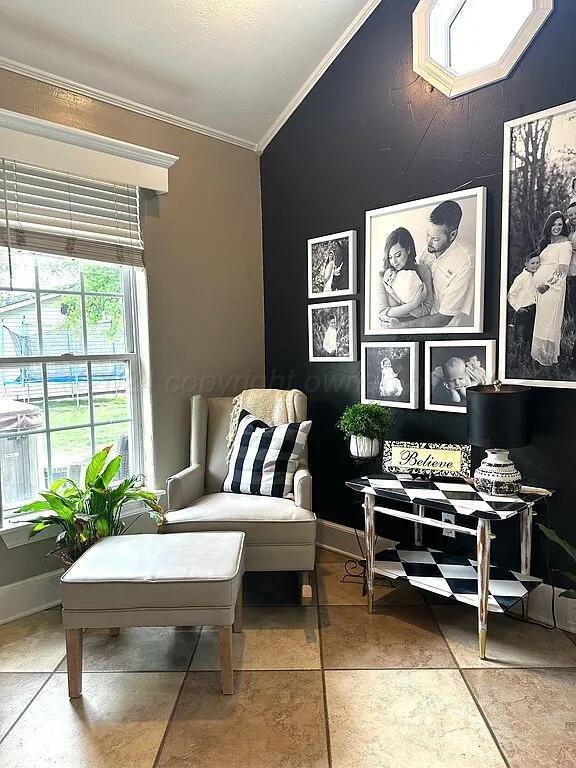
389,373
332,265
332,332
450,367
538,273
425,265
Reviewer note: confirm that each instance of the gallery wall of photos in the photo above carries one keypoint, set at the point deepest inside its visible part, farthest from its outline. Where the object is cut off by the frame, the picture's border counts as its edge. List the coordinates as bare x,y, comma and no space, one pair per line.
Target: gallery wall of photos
424,276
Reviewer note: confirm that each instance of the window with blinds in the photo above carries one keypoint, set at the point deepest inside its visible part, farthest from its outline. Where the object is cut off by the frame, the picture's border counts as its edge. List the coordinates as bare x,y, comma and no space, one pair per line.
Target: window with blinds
66,215
69,358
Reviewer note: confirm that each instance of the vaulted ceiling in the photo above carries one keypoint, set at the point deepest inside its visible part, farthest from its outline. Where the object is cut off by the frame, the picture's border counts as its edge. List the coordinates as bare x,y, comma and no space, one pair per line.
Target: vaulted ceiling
233,67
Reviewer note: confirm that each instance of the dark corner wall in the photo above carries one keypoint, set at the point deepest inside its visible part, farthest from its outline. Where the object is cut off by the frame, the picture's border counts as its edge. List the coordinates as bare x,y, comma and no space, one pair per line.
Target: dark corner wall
370,134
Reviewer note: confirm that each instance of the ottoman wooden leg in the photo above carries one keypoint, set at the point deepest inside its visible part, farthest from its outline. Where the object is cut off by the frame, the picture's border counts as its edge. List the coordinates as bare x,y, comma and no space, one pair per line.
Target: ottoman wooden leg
305,588
225,640
74,645
238,610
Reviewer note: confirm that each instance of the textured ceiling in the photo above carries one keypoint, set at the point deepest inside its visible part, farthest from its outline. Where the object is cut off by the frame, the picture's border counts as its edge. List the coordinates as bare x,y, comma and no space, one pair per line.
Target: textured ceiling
230,65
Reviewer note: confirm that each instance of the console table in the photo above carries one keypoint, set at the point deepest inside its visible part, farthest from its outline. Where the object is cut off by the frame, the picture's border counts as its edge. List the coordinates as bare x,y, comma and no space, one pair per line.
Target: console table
475,582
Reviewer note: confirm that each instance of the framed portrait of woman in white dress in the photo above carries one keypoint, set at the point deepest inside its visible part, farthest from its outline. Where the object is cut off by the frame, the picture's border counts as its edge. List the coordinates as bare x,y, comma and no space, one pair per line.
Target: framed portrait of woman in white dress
538,273
332,265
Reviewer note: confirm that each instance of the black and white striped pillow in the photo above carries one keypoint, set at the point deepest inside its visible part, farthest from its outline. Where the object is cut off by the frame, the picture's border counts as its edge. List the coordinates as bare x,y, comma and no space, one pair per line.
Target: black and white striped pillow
264,459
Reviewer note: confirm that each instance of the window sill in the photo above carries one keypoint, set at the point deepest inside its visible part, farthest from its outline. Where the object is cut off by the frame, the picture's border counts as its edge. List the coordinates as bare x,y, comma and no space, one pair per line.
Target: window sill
17,534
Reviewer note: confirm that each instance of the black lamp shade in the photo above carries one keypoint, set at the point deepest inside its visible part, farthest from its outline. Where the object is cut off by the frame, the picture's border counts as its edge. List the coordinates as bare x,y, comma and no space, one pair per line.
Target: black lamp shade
498,417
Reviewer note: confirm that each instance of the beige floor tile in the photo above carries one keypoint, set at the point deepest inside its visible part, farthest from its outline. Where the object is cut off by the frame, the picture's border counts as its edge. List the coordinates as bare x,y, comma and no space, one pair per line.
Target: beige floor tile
273,638
273,720
33,644
118,723
406,718
16,692
400,637
511,643
332,590
138,649
532,713
327,556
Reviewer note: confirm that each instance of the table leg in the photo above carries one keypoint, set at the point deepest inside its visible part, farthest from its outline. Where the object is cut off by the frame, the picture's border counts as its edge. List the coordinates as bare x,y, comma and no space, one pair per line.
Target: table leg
483,560
525,549
369,537
420,511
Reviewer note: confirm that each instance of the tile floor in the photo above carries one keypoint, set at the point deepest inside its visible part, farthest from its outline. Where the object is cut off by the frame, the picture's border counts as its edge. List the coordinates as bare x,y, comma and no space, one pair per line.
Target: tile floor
317,687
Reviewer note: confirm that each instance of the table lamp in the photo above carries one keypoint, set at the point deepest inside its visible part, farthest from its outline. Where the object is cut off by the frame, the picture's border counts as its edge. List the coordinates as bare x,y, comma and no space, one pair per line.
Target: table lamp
498,421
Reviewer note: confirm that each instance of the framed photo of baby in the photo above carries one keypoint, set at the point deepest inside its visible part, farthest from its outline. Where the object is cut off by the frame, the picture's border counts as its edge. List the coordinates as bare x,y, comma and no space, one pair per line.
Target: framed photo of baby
332,332
450,367
425,265
389,373
332,265
538,275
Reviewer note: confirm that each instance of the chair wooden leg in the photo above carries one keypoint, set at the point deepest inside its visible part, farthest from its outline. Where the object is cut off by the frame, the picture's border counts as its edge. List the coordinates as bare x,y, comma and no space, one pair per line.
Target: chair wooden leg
74,647
225,642
305,588
114,631
238,612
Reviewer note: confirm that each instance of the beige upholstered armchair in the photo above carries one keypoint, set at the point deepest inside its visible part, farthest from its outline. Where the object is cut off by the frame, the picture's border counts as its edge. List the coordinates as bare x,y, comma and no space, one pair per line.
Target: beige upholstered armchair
280,533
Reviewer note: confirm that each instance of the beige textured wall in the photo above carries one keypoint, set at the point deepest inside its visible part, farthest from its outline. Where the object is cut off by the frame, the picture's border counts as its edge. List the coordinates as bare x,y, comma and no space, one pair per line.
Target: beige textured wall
204,265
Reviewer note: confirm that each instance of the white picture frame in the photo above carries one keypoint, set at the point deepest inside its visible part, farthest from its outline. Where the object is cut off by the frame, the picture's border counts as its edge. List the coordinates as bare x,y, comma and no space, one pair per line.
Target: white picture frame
414,216
560,153
344,250
403,393
319,316
463,350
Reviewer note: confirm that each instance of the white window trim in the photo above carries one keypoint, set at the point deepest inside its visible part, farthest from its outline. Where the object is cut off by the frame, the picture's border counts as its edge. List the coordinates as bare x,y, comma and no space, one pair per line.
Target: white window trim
446,80
61,148
17,534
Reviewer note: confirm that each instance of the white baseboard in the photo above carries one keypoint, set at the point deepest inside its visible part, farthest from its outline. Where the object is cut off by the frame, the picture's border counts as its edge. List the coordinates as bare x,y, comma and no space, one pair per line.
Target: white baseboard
29,596
342,539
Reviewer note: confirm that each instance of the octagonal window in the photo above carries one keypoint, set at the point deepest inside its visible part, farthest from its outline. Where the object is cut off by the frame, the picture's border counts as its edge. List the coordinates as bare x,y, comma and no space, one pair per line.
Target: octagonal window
460,45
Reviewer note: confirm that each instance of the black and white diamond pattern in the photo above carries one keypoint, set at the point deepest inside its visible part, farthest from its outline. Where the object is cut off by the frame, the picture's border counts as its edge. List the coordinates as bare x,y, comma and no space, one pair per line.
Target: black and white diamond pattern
453,576
444,494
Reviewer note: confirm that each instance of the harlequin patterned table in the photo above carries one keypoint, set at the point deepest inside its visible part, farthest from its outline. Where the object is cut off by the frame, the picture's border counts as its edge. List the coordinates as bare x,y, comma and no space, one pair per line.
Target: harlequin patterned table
470,581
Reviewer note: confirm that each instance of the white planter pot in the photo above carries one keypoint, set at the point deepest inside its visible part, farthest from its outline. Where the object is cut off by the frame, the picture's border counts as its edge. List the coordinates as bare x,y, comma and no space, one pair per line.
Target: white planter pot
364,447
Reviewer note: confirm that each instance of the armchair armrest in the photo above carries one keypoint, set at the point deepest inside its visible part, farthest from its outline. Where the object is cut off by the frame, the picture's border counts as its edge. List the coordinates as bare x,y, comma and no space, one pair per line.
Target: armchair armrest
185,487
303,488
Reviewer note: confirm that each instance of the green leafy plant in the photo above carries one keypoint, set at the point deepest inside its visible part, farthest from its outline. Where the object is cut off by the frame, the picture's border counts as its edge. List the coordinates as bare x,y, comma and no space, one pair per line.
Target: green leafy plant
571,550
88,514
365,419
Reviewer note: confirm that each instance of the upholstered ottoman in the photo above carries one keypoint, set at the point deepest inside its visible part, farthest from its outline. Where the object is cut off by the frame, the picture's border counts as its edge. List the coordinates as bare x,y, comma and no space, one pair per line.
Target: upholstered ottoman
149,580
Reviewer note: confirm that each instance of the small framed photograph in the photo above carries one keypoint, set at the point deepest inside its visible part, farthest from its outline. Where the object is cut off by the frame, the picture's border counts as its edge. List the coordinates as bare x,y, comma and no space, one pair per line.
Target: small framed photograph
332,332
450,367
425,266
332,265
389,373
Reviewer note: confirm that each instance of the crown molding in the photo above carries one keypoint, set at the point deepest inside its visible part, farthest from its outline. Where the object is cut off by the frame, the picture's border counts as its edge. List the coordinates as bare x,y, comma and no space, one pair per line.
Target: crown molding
301,94
120,101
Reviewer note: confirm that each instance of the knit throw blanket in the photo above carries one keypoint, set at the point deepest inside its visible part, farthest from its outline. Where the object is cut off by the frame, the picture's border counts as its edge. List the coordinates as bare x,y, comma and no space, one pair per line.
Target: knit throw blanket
274,406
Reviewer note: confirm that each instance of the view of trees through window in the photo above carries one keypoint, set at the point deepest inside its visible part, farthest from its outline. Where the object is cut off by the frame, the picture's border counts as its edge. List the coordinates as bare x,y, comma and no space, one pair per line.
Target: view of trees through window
67,370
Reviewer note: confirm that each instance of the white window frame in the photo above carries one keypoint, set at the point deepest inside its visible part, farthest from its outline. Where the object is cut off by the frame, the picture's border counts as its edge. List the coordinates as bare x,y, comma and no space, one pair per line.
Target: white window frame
447,80
13,531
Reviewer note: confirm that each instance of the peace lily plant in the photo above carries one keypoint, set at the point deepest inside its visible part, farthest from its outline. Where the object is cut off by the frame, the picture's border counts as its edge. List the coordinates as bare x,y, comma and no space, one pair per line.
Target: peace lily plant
86,515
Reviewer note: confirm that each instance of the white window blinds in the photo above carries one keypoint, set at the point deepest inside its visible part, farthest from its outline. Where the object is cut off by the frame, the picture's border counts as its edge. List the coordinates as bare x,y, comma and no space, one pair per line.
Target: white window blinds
57,213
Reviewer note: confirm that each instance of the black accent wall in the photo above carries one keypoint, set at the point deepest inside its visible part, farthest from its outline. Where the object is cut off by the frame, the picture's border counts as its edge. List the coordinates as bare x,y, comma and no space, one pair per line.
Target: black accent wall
371,133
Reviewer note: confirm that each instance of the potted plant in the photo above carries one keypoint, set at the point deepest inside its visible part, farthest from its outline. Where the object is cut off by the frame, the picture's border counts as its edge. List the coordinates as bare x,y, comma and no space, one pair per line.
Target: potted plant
365,424
571,550
88,514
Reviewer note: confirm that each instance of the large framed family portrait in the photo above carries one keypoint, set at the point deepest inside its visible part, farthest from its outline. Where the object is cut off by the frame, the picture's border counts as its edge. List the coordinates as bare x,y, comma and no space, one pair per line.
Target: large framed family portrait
425,265
538,274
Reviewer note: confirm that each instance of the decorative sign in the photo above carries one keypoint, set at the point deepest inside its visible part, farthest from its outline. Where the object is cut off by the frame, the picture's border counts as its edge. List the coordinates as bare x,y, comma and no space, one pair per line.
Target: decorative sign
441,459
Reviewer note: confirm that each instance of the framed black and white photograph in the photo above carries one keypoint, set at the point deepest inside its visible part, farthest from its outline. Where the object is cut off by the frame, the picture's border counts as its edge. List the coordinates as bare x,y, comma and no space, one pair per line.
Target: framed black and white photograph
332,332
425,265
332,265
389,373
450,367
538,273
